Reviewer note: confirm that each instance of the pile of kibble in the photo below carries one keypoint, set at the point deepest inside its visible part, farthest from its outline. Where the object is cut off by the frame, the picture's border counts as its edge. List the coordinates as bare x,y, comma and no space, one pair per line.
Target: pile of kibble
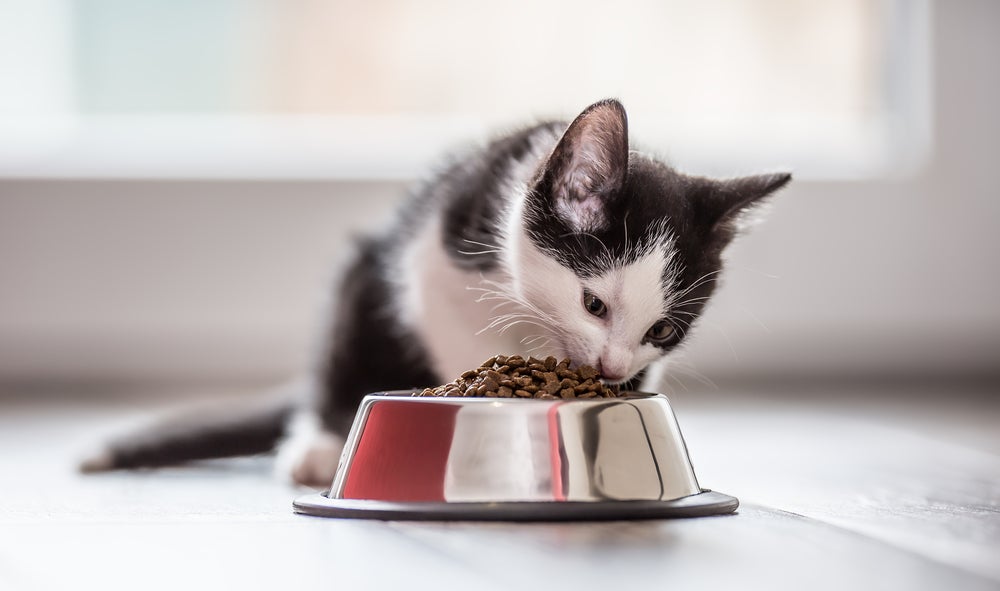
517,377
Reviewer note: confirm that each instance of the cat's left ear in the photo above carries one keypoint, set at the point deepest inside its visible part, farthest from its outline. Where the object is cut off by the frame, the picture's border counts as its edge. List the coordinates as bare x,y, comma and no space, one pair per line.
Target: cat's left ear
734,198
587,168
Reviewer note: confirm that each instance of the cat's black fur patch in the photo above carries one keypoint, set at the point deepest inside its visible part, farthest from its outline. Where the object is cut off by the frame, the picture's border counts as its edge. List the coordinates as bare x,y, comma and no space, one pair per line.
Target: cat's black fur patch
474,191
368,349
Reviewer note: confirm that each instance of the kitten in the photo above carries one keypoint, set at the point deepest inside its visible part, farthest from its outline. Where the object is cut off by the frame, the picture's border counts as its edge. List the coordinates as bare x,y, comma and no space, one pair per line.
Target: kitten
554,240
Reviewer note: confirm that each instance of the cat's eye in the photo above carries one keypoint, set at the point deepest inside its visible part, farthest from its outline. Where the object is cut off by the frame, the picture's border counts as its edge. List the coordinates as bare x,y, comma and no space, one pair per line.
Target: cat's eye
594,305
660,332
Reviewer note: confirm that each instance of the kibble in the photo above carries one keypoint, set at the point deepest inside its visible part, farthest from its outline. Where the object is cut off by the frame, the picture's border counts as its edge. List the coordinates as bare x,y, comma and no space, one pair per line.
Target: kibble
516,377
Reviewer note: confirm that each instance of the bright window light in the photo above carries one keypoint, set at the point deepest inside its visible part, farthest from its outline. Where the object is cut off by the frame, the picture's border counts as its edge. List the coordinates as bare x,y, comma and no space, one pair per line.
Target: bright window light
334,89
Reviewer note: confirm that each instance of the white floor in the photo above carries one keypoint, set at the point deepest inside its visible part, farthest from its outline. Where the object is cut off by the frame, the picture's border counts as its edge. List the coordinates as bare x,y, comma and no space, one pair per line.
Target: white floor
841,488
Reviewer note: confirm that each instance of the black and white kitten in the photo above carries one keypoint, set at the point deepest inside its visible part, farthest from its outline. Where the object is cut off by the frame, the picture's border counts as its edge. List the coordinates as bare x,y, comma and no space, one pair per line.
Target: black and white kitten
554,240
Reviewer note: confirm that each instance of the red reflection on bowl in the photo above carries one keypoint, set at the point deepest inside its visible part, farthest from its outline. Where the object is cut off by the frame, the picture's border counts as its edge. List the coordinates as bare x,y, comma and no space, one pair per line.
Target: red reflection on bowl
403,453
555,453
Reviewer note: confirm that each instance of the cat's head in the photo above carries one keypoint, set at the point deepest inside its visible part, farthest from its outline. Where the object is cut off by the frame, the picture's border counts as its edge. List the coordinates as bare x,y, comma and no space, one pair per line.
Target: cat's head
619,250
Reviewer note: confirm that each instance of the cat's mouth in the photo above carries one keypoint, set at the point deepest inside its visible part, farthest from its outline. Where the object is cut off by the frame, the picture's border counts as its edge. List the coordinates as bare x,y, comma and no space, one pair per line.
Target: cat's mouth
609,380
576,357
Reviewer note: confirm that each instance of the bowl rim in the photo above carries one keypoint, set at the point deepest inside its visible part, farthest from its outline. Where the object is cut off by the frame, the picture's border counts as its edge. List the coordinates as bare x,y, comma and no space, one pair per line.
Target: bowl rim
702,504
409,395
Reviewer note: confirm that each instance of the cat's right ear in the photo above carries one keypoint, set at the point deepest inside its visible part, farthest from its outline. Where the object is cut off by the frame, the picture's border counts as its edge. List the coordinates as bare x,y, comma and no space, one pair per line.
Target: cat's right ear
729,201
587,168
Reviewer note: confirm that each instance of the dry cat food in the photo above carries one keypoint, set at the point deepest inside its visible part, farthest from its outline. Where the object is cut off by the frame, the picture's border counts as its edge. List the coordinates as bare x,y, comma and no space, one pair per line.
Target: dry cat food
517,377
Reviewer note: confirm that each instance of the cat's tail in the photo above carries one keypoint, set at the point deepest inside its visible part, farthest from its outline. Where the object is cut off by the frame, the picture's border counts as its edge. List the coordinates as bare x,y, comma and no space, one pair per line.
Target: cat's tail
215,431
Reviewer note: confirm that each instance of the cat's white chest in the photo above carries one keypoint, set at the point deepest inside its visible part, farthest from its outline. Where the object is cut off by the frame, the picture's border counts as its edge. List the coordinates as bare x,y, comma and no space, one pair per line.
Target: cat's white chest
442,304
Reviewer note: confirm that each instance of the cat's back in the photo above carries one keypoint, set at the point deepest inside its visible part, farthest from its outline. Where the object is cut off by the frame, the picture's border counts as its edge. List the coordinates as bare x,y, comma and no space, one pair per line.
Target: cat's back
469,193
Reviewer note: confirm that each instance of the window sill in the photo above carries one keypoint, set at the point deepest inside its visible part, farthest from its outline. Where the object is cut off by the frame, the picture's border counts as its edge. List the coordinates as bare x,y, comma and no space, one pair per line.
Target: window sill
305,147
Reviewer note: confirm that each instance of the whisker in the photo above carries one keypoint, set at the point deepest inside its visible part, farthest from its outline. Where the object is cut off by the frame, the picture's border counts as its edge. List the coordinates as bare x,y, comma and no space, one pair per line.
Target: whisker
756,318
729,342
668,378
704,279
692,301
531,339
490,246
523,313
686,368
546,344
501,319
757,271
474,253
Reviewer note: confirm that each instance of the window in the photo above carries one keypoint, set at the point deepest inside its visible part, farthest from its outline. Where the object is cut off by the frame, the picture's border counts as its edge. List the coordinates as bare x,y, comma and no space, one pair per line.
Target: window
334,89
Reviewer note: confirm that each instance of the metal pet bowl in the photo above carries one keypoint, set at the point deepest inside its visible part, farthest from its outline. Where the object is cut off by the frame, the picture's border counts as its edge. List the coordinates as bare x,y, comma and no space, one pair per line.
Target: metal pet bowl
515,459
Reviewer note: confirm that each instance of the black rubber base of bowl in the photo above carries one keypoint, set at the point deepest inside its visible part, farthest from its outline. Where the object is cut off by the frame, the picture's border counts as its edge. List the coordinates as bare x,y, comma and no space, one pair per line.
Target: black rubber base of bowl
705,503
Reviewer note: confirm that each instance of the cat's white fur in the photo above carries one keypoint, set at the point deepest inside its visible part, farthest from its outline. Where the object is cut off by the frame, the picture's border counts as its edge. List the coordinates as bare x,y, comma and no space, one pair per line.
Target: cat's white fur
308,454
443,306
456,314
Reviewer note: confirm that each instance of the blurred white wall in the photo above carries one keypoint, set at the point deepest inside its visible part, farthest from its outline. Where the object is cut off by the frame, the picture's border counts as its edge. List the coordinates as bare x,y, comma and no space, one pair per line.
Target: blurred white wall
191,280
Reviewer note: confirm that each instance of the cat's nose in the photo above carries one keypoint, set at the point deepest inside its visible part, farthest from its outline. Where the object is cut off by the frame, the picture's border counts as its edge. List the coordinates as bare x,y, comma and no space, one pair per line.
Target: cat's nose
614,362
611,371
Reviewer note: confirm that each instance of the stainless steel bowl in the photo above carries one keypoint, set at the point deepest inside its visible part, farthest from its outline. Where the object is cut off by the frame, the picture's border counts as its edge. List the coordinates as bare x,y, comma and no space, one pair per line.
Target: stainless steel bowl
515,459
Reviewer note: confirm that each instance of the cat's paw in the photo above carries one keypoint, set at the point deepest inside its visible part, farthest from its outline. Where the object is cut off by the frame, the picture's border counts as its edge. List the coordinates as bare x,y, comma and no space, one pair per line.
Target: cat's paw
318,464
310,454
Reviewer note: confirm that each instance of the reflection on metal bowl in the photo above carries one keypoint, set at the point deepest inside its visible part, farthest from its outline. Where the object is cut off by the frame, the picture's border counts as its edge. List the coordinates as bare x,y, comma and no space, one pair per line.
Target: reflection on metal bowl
520,459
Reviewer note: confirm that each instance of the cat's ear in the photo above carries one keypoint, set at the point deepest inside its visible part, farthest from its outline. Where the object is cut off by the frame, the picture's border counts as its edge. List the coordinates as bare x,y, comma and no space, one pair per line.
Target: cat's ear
587,168
731,200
